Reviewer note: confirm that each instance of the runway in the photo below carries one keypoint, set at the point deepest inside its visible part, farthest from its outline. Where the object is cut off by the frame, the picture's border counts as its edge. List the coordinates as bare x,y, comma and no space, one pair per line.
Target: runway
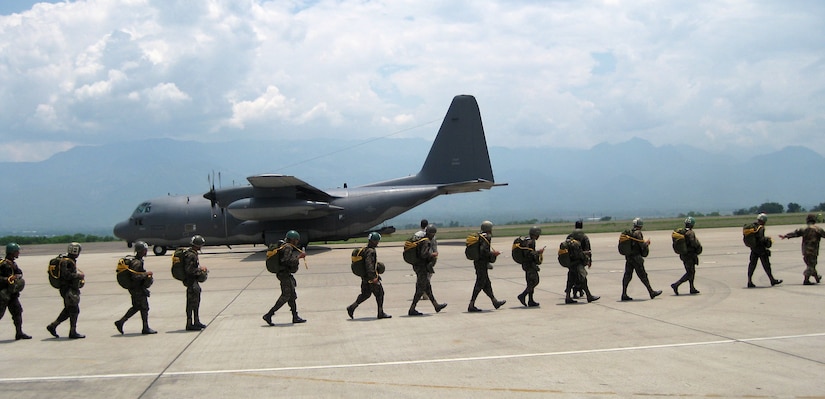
727,341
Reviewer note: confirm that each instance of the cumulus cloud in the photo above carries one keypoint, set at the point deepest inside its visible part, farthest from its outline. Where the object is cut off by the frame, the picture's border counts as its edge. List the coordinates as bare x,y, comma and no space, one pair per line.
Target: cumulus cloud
715,75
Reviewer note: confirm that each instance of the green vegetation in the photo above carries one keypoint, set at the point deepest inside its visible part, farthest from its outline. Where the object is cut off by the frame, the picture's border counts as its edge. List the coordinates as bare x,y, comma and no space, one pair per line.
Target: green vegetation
62,239
607,226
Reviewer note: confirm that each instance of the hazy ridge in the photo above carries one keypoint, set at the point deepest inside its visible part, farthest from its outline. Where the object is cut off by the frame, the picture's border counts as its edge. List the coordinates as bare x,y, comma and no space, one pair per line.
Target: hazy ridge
89,189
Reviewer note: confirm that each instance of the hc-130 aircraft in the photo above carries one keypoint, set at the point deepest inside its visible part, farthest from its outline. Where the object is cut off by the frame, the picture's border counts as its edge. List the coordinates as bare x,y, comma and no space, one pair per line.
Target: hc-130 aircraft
262,212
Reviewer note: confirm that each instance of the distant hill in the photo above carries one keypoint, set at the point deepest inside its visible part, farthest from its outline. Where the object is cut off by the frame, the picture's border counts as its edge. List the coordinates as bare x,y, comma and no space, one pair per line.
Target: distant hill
89,189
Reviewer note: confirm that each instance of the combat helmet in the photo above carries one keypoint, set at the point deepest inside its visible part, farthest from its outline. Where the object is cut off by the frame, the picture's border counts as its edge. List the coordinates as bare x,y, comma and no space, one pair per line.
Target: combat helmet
293,235
535,231
374,236
12,247
762,218
74,249
197,241
638,223
486,226
690,221
140,245
431,229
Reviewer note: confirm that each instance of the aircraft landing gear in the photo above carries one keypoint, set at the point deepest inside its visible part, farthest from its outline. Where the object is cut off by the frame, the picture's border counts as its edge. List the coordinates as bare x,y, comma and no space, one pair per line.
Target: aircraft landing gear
159,250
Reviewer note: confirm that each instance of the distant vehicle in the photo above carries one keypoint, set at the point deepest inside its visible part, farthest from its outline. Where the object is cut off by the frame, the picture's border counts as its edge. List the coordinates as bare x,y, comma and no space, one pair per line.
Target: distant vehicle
273,204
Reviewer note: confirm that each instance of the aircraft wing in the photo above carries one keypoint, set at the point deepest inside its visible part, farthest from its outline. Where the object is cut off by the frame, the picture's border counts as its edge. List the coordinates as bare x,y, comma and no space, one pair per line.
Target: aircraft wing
275,181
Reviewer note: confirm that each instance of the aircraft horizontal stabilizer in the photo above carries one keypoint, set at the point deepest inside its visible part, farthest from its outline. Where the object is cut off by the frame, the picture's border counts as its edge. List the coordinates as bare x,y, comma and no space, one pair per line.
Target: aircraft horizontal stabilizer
466,186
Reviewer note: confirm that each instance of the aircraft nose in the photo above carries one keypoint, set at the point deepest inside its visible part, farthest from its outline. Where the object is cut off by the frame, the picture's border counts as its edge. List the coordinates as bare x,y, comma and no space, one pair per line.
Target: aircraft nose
121,229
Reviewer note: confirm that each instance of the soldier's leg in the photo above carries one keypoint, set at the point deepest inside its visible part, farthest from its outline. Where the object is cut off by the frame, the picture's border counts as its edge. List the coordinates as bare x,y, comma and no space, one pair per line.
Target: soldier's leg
571,282
766,264
810,269
628,275
74,314
690,272
378,291
640,270
813,259
16,310
532,283
481,274
363,296
488,289
752,268
420,289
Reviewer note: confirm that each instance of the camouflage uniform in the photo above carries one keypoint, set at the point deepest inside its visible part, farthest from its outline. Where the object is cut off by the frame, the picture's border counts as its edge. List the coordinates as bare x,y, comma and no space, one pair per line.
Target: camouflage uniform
140,296
531,273
191,264
577,273
760,252
289,261
424,268
482,266
70,292
811,236
635,262
370,283
690,260
8,268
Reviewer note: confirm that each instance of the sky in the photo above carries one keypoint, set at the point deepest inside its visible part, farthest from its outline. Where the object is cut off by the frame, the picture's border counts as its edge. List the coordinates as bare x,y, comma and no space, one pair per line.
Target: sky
727,75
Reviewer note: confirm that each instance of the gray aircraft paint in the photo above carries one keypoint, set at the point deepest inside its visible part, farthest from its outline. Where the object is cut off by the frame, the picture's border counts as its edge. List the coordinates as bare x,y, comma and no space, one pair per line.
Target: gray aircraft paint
262,212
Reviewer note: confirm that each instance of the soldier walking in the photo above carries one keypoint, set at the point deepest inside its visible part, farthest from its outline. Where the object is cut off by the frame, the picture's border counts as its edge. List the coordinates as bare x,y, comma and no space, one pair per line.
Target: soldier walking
811,235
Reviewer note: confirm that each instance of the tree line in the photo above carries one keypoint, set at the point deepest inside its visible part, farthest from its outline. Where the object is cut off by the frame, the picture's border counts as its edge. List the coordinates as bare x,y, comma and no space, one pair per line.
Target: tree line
61,239
775,207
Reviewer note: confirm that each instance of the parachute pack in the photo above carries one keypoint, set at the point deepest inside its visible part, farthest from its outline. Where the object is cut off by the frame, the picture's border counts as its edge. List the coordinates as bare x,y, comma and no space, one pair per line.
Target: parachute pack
570,250
411,249
521,252
273,260
625,242
178,268
124,271
679,242
473,248
749,234
359,265
54,271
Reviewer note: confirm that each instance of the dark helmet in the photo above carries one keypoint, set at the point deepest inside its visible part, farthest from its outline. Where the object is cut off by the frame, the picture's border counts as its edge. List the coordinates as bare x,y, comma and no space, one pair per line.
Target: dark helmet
579,224
811,218
292,235
140,245
74,249
374,236
638,222
487,226
12,247
197,241
690,221
424,223
535,231
380,268
762,218
431,229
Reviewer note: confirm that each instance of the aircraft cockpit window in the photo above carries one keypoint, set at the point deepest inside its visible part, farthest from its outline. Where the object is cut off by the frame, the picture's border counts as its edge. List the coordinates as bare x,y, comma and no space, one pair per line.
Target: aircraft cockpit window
145,207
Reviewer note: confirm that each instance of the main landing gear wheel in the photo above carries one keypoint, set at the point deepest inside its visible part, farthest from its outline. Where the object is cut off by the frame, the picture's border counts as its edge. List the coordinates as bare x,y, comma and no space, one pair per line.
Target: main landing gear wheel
159,250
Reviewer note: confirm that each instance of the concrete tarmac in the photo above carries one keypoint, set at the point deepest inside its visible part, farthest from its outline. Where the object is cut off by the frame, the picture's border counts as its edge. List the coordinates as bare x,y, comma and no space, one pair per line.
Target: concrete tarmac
728,341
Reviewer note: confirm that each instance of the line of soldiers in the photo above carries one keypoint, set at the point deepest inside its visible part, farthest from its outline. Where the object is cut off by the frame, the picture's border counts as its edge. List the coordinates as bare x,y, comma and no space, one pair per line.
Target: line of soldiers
71,279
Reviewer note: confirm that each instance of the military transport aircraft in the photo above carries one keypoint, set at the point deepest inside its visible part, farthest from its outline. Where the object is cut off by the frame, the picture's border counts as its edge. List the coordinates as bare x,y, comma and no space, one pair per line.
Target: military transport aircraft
262,212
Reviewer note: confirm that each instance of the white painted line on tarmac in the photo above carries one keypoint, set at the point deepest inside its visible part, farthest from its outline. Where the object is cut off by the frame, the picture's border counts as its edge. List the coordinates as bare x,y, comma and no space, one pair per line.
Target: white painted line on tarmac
400,363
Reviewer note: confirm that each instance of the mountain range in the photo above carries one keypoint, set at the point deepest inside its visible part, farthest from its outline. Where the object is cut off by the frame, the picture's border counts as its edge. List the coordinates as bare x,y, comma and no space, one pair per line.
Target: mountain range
90,188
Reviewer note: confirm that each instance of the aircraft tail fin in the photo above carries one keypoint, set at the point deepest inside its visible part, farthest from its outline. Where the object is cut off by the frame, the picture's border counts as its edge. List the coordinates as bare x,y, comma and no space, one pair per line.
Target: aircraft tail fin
459,152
